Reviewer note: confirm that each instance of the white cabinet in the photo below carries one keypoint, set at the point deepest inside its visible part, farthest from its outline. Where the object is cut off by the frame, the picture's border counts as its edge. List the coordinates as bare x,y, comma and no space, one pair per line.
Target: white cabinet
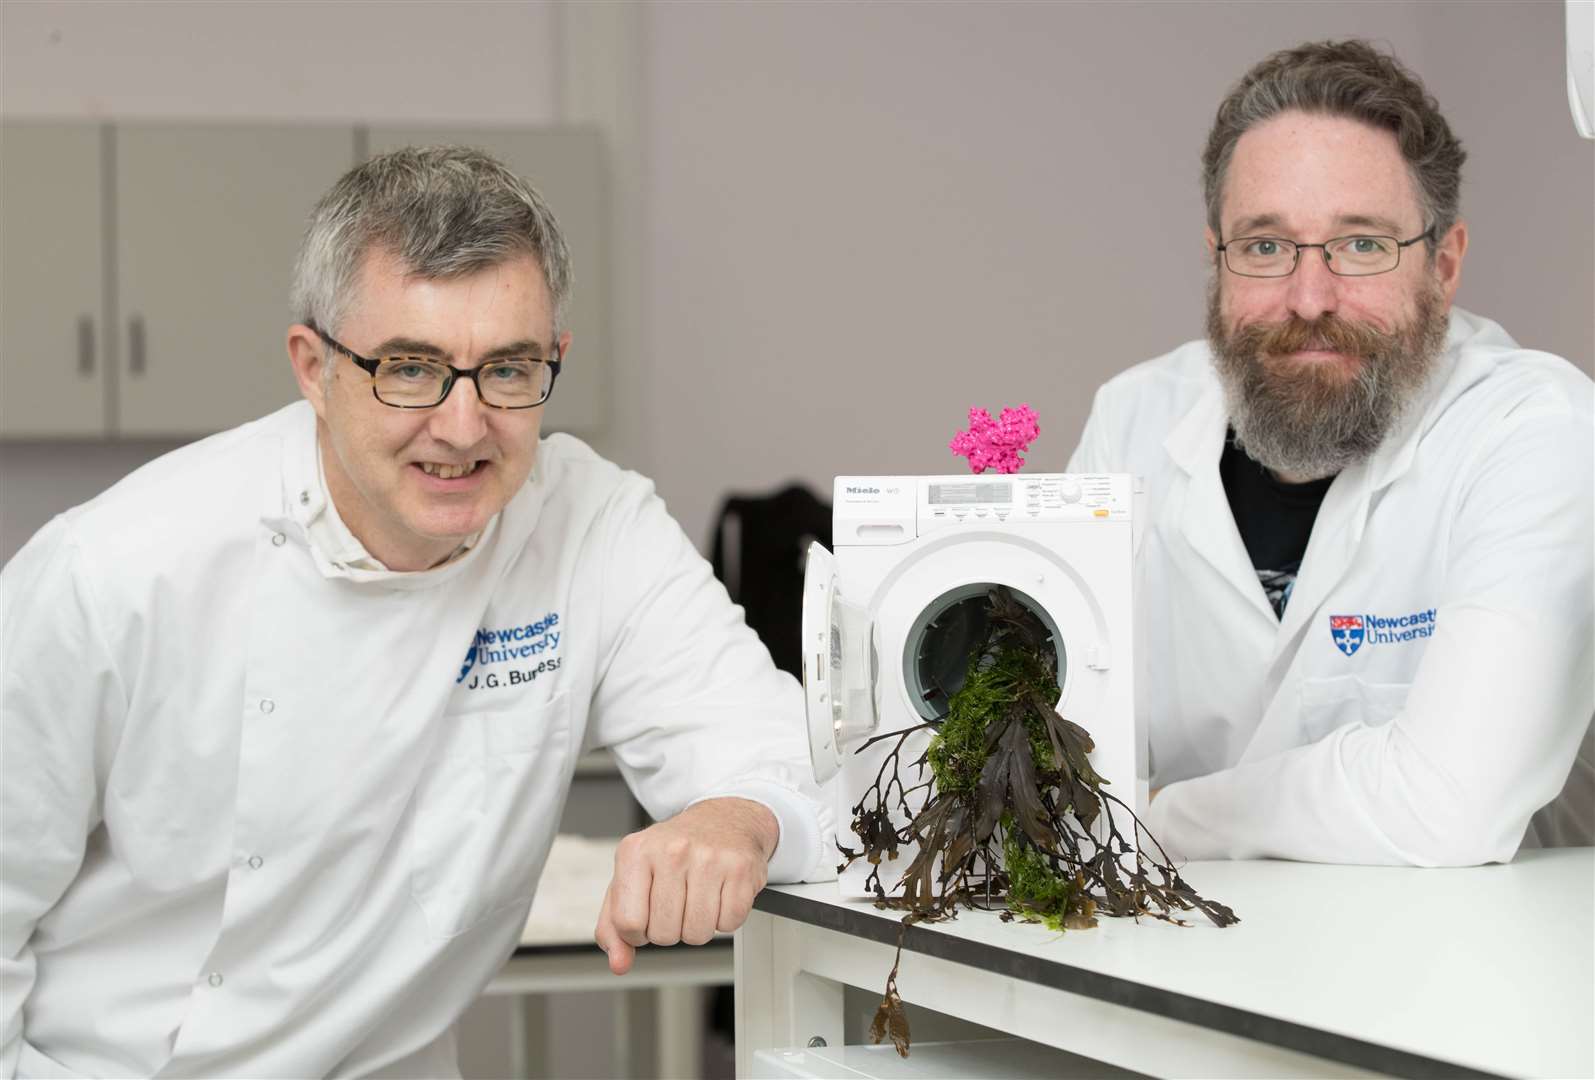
565,165
146,270
52,305
209,219
145,267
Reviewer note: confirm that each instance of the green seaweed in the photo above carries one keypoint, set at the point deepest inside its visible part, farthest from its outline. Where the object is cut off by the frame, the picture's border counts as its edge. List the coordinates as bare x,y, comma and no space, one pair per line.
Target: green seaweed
1012,817
995,683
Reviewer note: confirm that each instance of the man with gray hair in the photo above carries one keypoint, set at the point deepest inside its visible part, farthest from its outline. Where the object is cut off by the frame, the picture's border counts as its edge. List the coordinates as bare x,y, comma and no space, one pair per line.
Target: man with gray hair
291,713
1364,574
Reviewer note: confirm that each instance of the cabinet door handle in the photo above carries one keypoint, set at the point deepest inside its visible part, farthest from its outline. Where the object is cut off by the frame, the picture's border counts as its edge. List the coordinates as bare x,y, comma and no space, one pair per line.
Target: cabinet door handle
135,345
85,345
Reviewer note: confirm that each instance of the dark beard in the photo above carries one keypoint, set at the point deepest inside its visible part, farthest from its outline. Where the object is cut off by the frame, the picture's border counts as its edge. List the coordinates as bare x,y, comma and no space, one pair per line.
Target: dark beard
1308,420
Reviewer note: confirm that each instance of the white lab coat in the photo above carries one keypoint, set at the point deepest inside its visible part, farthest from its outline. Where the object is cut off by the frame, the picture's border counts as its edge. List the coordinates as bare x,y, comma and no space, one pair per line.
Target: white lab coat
1462,552
268,815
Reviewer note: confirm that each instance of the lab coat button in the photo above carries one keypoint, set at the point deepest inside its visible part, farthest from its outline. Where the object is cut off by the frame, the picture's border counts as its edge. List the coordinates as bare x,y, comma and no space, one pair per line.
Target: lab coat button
256,862
304,498
215,978
278,539
267,705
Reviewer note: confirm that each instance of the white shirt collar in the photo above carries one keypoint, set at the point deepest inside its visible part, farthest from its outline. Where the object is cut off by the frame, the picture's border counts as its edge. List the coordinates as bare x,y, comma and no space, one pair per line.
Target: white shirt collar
329,534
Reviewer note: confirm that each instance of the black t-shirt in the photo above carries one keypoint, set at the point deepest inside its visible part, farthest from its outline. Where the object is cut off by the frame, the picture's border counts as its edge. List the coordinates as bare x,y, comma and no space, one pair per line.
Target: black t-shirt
1275,519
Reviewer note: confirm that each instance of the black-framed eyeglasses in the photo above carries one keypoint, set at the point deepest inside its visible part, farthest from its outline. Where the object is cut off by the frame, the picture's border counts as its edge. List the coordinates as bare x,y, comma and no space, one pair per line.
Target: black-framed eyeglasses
420,382
1347,256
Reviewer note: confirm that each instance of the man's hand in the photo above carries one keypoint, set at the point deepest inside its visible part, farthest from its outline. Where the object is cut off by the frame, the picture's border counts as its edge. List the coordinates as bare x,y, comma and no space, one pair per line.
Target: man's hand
685,878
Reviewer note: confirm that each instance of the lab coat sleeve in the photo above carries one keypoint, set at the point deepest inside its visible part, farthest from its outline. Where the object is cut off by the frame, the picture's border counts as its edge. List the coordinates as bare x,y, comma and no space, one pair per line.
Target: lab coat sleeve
1494,716
687,698
58,685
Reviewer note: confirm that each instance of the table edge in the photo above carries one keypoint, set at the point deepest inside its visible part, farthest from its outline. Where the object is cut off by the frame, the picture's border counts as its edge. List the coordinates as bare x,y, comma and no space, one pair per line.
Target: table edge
1113,989
561,948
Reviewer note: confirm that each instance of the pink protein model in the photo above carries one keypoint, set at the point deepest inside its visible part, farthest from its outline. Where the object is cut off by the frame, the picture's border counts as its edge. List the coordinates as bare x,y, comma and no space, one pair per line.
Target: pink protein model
997,443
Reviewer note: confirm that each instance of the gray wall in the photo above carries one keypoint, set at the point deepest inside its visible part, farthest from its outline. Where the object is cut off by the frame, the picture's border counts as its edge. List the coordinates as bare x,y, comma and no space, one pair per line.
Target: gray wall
861,220
838,226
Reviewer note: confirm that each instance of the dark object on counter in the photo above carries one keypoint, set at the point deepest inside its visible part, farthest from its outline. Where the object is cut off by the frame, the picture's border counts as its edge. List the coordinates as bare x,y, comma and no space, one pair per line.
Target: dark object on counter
760,542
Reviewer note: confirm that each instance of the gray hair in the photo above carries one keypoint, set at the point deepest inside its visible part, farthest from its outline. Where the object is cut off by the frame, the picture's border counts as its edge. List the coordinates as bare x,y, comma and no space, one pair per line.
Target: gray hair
444,211
1350,79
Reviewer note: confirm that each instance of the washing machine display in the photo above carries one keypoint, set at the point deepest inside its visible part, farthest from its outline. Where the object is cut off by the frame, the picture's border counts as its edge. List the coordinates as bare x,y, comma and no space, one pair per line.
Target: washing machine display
969,492
890,618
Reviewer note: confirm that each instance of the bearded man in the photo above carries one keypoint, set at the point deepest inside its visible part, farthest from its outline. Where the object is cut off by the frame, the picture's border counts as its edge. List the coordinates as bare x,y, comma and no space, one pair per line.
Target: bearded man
1364,585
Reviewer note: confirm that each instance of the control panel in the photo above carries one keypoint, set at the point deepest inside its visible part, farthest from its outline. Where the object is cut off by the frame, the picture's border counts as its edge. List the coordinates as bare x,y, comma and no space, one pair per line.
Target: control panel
895,509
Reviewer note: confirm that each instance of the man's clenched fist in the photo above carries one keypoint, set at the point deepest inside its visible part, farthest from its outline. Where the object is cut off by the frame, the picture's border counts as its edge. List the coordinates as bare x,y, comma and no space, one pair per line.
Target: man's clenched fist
686,878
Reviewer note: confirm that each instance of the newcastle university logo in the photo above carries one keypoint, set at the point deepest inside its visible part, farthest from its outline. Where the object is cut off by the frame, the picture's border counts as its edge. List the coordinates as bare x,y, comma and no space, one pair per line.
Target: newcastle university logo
1352,632
533,642
1347,632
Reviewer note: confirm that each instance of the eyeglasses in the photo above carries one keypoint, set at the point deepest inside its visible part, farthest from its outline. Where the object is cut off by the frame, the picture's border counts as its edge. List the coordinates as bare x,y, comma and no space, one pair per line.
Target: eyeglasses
1347,256
419,382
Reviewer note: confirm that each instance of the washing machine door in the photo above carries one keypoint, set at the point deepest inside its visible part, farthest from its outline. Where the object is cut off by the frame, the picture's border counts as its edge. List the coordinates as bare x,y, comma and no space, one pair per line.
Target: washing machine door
838,666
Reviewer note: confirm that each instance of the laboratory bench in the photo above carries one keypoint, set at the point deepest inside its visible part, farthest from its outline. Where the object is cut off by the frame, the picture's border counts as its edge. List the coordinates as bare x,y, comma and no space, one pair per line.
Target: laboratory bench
1332,971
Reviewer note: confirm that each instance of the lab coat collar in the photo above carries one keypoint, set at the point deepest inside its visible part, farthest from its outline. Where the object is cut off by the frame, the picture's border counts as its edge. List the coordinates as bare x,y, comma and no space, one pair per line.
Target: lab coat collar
1206,523
300,506
1455,369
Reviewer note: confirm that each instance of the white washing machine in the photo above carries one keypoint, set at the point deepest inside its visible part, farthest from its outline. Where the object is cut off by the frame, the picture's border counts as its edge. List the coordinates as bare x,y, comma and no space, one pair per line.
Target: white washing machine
889,619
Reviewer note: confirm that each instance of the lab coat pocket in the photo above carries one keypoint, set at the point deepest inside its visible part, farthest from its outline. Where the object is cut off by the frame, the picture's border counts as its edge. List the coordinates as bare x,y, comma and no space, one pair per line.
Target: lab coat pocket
1329,704
485,812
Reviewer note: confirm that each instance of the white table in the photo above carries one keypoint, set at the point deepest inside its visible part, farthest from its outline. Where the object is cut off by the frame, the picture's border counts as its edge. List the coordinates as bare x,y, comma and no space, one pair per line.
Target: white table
1332,971
557,955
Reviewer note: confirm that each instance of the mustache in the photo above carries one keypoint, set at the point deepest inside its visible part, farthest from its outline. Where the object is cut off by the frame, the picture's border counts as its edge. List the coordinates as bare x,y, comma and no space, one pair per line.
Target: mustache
1328,332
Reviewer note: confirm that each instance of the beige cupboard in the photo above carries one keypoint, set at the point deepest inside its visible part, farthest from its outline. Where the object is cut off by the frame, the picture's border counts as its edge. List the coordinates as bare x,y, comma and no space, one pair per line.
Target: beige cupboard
144,267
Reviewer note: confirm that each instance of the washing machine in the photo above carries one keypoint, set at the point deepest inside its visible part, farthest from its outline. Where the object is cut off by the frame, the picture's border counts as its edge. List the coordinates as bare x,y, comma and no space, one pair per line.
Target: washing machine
891,616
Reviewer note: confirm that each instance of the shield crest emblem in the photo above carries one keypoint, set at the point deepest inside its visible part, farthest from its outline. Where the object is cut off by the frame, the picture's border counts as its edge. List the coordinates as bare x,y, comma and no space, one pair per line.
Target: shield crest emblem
1346,632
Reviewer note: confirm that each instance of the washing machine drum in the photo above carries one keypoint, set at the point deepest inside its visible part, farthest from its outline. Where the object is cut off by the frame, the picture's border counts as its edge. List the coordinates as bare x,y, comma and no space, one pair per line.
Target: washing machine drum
942,639
889,661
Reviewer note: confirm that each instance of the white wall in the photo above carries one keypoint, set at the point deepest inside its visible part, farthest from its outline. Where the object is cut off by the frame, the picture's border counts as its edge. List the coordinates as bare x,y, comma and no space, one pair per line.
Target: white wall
837,226
863,219
467,60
